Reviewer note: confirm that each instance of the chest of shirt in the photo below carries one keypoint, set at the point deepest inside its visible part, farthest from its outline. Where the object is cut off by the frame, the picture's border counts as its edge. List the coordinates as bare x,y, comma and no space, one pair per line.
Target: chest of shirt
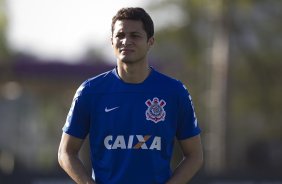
134,113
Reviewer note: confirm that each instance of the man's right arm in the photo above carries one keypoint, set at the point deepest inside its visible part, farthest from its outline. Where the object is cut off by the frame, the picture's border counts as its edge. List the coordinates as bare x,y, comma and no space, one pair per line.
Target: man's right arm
69,160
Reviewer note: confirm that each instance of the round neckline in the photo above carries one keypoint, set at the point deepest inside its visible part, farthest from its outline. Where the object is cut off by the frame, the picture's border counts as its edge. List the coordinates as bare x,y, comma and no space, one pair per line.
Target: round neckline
133,84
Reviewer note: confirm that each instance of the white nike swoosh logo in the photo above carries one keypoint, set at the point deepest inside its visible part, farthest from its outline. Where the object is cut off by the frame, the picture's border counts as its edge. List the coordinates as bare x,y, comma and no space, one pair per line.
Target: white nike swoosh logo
111,109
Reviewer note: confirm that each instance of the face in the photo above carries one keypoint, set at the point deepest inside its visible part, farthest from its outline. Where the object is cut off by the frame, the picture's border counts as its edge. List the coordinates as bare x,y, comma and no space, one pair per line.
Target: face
130,42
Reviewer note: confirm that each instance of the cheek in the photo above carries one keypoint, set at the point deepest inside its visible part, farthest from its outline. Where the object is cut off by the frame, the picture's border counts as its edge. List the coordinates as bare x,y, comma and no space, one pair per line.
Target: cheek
145,48
115,44
115,48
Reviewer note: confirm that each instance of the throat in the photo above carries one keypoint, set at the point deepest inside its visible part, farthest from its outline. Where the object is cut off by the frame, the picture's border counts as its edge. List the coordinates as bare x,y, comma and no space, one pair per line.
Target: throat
134,76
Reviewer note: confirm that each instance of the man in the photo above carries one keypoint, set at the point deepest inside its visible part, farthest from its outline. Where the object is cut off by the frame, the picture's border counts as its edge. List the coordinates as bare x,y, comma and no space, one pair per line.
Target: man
132,115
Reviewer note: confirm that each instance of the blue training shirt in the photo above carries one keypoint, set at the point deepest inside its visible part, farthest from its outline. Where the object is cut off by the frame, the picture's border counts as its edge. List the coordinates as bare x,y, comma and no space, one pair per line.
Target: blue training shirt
131,127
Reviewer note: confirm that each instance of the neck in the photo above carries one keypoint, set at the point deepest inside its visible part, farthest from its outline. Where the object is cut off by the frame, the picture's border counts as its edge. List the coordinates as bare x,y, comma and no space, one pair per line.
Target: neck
132,73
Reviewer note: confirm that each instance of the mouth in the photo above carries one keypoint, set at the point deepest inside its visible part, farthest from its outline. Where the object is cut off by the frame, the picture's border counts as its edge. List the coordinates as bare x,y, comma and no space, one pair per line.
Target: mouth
126,50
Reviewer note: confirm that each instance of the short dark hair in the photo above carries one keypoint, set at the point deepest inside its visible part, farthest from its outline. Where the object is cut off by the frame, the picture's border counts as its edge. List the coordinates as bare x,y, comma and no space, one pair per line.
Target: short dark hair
135,14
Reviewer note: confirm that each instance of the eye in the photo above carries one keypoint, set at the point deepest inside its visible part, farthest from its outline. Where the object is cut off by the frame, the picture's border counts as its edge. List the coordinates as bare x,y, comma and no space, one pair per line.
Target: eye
135,36
119,36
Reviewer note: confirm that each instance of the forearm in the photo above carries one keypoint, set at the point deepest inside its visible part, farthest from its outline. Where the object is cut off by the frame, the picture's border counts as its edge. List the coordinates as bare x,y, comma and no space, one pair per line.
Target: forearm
185,171
75,169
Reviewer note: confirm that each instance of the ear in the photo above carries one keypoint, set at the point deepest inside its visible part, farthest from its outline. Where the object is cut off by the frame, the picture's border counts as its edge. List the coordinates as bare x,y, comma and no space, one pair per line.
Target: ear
112,44
151,41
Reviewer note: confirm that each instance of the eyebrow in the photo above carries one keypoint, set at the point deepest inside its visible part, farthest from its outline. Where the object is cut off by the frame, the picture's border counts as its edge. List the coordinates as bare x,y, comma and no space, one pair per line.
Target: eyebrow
130,33
135,32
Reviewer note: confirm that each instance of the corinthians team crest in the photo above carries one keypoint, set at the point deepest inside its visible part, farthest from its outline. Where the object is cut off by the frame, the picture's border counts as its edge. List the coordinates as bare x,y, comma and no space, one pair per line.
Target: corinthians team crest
155,111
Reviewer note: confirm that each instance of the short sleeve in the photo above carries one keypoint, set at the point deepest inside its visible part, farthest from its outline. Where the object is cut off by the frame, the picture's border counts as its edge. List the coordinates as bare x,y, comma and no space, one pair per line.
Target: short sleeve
78,119
187,124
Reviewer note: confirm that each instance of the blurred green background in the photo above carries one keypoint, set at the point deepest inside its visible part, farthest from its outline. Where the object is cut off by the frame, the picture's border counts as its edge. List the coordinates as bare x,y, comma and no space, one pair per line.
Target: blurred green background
229,55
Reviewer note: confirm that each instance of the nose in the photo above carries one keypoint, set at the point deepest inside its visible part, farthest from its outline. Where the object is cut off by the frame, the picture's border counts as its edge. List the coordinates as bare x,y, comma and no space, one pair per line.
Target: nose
126,40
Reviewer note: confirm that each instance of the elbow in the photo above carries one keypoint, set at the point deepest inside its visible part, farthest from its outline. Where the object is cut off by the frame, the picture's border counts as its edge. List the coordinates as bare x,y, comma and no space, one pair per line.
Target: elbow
65,157
197,160
60,158
201,161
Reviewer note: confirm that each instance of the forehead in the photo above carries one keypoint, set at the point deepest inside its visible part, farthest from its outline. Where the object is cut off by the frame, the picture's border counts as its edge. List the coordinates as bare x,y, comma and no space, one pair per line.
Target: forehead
128,26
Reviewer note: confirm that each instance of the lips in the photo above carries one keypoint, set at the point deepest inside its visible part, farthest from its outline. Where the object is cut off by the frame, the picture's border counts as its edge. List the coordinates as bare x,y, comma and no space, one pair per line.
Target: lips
126,50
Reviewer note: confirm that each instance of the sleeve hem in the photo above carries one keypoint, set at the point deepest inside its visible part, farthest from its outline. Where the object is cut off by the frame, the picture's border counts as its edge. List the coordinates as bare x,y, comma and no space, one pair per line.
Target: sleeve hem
74,135
189,136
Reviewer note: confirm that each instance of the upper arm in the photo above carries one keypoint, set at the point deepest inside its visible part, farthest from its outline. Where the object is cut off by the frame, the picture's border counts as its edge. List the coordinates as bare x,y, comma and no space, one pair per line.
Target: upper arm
70,144
187,124
192,147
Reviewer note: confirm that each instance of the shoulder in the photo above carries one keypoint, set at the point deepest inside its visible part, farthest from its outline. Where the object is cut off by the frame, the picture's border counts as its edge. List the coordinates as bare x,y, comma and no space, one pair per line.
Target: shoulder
168,82
92,83
98,79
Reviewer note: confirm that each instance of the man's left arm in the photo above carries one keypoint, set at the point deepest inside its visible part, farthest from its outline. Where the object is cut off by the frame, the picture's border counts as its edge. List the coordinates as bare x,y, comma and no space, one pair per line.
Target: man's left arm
191,163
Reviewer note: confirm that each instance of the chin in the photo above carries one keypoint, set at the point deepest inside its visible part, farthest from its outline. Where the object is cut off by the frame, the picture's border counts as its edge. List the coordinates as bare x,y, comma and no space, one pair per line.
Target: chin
127,60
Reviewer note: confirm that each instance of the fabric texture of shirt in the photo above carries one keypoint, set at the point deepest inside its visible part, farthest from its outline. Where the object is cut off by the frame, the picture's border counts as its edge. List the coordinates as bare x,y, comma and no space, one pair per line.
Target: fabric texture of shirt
131,127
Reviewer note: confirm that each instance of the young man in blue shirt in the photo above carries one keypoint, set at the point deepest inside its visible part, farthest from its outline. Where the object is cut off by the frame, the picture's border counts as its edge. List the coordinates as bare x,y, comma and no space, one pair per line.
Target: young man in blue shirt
132,115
